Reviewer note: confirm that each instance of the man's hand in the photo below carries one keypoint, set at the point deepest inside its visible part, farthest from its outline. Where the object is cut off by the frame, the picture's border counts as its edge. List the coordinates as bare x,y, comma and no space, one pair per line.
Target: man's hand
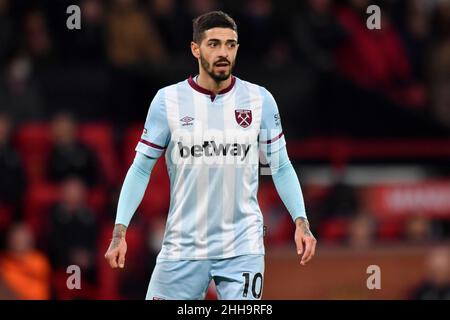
304,240
118,247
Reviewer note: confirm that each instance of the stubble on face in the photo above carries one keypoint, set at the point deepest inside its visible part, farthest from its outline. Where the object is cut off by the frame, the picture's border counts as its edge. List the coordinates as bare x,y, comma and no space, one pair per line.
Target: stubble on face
217,76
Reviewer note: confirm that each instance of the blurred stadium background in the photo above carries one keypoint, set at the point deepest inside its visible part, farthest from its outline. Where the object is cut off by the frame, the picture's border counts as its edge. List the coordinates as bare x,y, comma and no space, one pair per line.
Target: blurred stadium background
366,115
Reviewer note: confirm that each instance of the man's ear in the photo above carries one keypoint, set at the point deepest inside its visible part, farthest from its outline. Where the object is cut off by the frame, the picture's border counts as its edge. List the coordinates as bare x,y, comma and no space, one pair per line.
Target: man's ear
195,49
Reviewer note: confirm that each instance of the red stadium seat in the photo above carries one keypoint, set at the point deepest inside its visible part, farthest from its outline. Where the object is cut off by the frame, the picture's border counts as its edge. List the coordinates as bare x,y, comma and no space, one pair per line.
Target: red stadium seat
137,243
33,142
6,216
390,228
107,277
266,196
61,292
38,200
277,219
333,230
97,199
99,137
130,139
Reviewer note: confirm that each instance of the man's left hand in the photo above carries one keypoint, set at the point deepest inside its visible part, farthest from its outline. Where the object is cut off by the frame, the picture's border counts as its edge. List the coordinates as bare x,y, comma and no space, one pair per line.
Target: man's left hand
304,240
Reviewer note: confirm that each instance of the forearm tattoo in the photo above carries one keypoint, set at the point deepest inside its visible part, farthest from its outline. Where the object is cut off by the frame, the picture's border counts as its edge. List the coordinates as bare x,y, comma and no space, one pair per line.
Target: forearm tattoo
304,225
118,233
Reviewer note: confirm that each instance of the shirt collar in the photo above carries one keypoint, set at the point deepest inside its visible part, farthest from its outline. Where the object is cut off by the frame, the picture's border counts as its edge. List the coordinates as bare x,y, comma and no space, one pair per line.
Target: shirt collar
200,89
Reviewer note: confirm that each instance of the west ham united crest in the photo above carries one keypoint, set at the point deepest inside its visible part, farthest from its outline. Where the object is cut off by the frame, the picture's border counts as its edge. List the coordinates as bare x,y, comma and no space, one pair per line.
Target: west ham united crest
243,117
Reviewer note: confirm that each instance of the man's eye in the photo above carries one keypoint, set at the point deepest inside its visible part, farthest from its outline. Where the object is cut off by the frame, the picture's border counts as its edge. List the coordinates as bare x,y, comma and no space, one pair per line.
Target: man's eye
212,44
232,45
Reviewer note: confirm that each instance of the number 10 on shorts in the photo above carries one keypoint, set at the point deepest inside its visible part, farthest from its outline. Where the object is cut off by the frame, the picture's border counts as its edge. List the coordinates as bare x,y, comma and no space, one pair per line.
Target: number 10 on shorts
256,284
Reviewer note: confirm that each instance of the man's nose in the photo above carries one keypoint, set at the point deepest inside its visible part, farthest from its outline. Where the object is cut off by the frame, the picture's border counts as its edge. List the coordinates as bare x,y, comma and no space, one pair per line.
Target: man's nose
223,52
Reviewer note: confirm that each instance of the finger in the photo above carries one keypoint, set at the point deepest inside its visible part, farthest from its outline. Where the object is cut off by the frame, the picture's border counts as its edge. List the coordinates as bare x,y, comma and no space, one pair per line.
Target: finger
112,259
313,253
308,250
299,244
121,259
312,243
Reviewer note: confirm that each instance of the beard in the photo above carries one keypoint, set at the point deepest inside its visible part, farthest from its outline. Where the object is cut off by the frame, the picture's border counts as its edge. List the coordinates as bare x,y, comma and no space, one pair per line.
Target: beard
217,76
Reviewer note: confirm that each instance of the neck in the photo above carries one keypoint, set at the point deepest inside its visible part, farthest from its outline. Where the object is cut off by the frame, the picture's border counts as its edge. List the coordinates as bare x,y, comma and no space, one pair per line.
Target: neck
205,81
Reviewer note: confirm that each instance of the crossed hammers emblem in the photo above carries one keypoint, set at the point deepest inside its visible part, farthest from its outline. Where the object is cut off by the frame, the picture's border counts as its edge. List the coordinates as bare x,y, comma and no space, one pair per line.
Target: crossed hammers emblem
243,117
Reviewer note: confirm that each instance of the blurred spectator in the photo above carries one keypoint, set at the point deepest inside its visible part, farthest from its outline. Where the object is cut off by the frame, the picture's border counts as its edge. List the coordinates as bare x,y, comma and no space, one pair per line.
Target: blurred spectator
88,43
416,37
24,271
146,243
140,261
69,156
278,226
361,233
341,201
174,24
376,59
199,7
37,39
76,72
20,92
436,285
439,65
168,20
132,38
256,27
316,34
12,182
138,58
418,229
6,31
188,10
73,230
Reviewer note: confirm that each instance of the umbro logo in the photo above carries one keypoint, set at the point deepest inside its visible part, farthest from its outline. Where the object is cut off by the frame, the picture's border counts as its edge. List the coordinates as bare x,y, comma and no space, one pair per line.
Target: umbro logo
187,121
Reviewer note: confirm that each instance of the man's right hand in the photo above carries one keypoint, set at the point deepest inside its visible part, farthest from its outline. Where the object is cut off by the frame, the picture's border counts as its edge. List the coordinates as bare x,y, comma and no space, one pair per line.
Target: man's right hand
118,247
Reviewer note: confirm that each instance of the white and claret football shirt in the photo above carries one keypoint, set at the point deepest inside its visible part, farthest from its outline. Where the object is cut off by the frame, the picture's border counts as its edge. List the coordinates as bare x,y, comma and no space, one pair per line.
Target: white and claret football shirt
211,144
